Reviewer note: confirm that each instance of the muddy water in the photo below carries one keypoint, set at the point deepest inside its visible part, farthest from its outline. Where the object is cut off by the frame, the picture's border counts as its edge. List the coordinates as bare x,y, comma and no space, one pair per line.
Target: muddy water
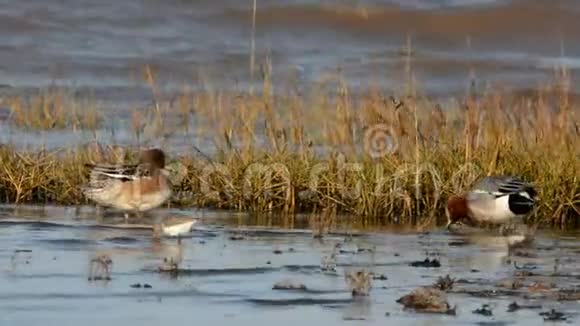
228,267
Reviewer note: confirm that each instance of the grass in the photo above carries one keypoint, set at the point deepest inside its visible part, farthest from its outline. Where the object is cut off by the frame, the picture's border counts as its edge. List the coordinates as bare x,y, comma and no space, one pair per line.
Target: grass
328,152
52,108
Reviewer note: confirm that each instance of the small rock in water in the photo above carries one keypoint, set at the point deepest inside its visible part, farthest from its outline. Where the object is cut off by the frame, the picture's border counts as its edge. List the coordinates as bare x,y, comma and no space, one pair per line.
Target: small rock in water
485,310
268,262
288,285
277,252
427,299
380,277
237,237
553,315
514,306
147,286
136,285
428,263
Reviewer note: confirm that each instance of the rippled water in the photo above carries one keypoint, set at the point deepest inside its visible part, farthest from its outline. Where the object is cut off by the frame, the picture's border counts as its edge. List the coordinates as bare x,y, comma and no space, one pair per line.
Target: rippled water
99,49
45,254
103,46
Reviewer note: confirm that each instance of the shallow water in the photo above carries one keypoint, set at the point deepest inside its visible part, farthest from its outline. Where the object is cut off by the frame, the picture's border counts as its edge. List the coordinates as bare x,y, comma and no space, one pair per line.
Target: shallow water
99,50
45,254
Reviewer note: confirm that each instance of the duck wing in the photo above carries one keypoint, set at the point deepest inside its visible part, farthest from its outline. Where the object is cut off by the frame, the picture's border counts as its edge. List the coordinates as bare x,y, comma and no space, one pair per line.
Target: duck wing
500,186
123,173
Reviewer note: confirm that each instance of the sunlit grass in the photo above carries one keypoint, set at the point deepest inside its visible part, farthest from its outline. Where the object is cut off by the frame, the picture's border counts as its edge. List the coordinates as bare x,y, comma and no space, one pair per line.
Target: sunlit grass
268,148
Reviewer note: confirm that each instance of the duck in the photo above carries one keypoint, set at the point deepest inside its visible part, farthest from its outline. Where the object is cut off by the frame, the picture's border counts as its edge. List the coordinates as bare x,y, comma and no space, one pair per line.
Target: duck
495,199
130,188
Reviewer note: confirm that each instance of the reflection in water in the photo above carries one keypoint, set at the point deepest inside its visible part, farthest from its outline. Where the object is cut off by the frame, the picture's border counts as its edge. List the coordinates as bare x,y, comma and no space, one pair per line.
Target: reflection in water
359,309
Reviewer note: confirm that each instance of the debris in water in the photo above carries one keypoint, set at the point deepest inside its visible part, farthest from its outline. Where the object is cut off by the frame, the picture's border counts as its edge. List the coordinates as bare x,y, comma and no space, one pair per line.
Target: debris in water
485,310
277,252
427,299
359,282
288,285
369,250
553,315
527,266
237,237
100,268
514,306
428,263
444,283
170,266
380,277
510,284
523,273
329,263
138,286
541,286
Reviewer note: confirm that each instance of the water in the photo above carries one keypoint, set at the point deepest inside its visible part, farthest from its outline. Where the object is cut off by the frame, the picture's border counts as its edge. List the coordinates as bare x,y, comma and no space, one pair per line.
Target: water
45,254
101,48
99,51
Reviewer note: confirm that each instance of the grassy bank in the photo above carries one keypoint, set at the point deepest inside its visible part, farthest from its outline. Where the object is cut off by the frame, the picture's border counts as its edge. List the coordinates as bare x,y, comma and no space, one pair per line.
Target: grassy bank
376,157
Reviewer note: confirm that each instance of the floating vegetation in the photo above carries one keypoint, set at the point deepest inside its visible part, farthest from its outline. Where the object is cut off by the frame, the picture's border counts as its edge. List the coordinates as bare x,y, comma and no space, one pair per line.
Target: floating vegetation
427,299
359,282
444,283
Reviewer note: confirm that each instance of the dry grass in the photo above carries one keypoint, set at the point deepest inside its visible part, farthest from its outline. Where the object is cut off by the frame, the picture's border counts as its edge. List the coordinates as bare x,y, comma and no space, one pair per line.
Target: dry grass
52,109
267,148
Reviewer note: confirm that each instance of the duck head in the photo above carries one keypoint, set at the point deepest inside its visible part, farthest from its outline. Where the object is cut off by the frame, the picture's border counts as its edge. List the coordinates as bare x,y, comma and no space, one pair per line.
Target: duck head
456,209
155,157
